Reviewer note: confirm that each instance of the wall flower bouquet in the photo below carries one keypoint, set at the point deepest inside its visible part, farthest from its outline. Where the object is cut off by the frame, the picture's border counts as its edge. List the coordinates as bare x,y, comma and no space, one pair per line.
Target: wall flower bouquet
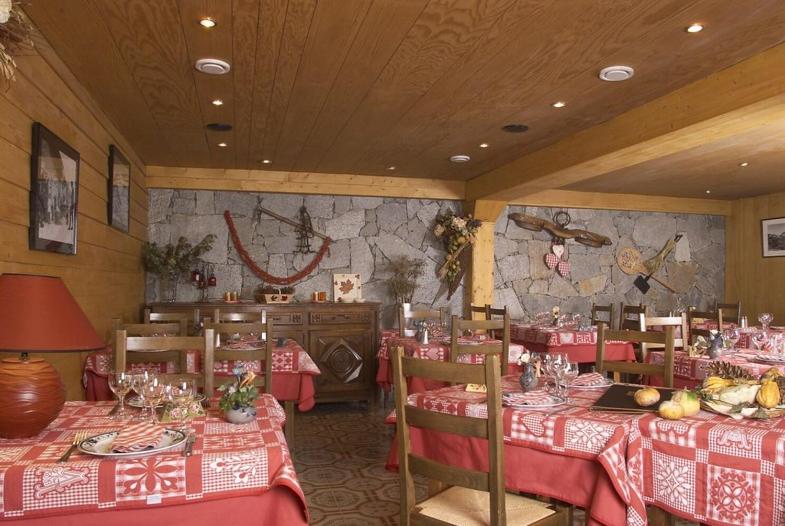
457,233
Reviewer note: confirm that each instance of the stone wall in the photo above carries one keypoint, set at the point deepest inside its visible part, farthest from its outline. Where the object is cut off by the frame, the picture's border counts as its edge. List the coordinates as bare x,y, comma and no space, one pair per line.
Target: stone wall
367,232
527,285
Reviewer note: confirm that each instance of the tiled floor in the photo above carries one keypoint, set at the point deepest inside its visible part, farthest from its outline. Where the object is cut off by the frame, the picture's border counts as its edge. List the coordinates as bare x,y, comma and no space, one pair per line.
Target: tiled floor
340,451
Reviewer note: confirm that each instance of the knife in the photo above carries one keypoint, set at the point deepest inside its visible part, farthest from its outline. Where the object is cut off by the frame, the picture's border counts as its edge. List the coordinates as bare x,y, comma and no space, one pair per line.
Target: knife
189,445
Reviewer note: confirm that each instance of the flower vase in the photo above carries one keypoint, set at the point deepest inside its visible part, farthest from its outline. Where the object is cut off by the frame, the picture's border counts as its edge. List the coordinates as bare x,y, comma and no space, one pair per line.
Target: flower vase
528,379
167,288
241,415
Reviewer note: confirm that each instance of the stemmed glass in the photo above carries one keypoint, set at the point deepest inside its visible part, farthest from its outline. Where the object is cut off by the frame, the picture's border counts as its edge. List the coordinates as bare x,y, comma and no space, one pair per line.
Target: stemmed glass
120,384
765,320
730,337
153,391
775,343
759,339
569,374
181,396
138,382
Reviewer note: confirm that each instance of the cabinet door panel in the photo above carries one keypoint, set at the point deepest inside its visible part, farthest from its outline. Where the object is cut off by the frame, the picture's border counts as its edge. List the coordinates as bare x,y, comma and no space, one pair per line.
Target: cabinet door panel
344,357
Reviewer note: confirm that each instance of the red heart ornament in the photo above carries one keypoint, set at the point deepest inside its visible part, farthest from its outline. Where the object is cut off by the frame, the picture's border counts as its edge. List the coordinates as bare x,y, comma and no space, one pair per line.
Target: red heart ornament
563,268
551,261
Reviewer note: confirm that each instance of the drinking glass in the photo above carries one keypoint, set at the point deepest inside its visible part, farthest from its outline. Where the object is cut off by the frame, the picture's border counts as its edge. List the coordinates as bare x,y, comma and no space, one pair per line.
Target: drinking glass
759,339
730,337
765,320
569,374
120,384
138,381
181,396
775,342
154,391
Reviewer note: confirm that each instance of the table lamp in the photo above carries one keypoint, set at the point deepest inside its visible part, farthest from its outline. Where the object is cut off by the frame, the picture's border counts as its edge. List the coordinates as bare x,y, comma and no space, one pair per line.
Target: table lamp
37,315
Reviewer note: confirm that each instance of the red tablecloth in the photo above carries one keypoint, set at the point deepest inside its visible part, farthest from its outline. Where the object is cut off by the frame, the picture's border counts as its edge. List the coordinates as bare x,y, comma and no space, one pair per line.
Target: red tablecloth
580,346
708,468
436,349
690,371
293,372
231,465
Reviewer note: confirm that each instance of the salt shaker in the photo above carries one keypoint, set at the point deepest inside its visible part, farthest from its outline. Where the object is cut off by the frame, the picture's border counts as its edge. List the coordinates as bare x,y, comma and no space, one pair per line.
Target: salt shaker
744,322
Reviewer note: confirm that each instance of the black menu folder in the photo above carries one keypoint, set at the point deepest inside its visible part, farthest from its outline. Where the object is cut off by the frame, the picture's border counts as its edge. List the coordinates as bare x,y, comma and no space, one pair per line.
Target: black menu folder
620,398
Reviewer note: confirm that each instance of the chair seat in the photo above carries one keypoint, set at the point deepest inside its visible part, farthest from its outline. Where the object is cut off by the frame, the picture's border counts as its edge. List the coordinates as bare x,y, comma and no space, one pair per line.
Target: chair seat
467,507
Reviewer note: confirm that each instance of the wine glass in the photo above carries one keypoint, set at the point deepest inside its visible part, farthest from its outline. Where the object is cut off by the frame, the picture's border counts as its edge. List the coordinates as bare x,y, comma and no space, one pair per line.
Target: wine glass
120,384
759,339
775,343
154,391
569,374
181,395
730,337
138,382
765,320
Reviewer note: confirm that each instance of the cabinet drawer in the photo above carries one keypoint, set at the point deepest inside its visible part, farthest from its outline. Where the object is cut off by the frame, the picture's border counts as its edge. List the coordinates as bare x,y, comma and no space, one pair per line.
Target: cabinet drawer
331,317
286,318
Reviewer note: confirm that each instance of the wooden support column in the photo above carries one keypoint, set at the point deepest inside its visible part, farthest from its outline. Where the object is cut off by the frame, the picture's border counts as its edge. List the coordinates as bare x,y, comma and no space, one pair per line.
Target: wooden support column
479,276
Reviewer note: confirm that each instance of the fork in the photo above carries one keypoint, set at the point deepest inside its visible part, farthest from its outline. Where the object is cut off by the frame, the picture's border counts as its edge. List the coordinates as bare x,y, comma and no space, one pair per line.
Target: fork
78,437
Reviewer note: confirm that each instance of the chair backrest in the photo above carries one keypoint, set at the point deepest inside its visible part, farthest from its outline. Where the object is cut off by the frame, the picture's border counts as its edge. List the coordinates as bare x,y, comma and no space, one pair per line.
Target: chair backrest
406,313
665,338
489,428
264,353
696,317
491,311
680,332
597,310
730,312
163,349
630,317
479,309
499,329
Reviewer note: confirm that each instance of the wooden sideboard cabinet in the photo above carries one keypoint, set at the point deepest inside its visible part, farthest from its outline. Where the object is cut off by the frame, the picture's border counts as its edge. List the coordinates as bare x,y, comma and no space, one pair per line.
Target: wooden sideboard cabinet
342,338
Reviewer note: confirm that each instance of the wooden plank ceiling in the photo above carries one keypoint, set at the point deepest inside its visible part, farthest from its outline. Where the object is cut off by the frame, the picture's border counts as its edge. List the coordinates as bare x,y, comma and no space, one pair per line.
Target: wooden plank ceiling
356,86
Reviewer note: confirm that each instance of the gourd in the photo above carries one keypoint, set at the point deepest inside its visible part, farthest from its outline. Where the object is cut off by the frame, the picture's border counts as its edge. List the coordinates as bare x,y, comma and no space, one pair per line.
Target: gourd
768,395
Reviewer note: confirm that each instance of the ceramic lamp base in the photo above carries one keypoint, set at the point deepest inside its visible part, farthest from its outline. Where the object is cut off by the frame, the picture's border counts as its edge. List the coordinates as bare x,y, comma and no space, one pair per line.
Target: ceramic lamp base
32,396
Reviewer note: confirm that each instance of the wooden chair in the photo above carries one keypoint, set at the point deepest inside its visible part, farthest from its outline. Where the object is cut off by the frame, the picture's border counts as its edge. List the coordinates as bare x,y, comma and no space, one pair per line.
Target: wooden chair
643,338
484,487
405,313
491,311
163,349
598,309
630,317
168,317
695,317
146,330
730,312
499,329
679,324
479,309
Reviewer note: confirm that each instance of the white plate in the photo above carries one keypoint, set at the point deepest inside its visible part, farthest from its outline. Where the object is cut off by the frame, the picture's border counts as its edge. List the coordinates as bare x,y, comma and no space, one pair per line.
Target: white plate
555,402
769,358
608,383
101,445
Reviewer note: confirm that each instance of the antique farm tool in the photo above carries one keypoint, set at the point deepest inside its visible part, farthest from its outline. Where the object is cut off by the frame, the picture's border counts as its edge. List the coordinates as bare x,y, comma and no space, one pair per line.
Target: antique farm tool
631,262
535,224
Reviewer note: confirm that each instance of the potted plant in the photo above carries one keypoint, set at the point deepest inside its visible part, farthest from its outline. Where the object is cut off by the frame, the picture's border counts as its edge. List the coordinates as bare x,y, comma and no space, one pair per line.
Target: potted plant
238,401
405,273
172,261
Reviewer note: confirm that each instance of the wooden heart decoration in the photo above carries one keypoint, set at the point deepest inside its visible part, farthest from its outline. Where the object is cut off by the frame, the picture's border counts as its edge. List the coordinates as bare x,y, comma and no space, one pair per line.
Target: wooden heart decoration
551,261
558,250
563,268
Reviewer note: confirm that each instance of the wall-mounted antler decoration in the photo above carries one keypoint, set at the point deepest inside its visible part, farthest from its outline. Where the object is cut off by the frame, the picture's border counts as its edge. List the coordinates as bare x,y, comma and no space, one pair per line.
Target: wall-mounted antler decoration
535,224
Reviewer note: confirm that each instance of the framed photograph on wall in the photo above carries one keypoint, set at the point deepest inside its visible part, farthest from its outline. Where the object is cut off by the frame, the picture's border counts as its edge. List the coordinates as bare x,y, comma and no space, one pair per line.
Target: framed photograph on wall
119,192
773,237
54,189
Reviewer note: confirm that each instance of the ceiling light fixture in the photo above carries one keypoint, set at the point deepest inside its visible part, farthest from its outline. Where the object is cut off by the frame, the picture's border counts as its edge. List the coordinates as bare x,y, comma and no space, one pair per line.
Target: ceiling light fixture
219,127
391,168
222,145
694,28
212,66
460,158
515,128
708,191
744,164
207,22
484,145
217,102
616,73
559,104
266,161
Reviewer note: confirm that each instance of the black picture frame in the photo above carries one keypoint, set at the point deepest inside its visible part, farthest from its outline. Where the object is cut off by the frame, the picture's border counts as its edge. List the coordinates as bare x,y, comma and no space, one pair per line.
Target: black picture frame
119,190
772,237
54,193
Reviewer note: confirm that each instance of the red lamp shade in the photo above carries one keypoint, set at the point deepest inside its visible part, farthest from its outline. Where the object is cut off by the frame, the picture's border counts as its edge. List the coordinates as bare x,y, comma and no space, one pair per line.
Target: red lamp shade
37,314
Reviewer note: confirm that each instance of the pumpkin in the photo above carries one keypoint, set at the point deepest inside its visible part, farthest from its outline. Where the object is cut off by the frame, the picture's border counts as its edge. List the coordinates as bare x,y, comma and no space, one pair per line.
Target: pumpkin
768,395
671,410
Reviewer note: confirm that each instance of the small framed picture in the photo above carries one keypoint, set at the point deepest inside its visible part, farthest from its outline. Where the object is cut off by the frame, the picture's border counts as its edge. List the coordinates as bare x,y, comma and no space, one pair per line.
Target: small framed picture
347,288
119,192
54,190
773,237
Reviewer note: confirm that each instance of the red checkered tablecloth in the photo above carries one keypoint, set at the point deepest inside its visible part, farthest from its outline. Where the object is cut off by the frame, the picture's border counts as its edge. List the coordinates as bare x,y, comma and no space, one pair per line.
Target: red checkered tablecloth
228,460
692,370
552,336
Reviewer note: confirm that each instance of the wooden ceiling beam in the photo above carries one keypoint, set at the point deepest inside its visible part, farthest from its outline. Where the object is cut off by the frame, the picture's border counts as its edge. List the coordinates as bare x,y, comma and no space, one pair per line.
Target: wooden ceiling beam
732,101
302,183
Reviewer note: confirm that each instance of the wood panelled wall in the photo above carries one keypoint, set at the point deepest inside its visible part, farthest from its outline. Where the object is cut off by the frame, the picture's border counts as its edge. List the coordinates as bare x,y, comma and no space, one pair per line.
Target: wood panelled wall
757,281
105,275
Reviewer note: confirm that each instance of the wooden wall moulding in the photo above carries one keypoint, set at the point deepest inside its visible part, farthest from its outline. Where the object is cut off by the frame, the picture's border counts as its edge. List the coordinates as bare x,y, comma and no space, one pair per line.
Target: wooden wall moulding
342,339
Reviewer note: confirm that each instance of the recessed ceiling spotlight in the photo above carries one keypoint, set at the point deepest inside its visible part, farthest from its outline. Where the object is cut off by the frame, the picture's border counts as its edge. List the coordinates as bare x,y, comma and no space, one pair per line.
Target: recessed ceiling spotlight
219,126
559,104
391,168
266,161
515,128
694,28
744,164
217,102
207,22
222,145
616,73
708,191
484,145
460,158
212,66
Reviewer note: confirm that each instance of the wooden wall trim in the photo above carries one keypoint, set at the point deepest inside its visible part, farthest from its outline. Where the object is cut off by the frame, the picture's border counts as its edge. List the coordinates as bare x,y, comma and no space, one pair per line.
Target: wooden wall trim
302,183
630,202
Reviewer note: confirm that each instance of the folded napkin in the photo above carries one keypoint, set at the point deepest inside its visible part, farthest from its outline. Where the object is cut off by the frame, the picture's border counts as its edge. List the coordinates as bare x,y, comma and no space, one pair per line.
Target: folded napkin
589,380
137,437
538,397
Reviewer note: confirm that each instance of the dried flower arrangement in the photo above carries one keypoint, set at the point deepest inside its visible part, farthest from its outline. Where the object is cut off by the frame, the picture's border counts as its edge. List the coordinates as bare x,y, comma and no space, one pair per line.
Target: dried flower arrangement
172,261
405,273
457,233
15,35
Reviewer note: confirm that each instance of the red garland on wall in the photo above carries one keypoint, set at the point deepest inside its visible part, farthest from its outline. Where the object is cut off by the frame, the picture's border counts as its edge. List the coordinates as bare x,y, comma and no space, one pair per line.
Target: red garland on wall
269,278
